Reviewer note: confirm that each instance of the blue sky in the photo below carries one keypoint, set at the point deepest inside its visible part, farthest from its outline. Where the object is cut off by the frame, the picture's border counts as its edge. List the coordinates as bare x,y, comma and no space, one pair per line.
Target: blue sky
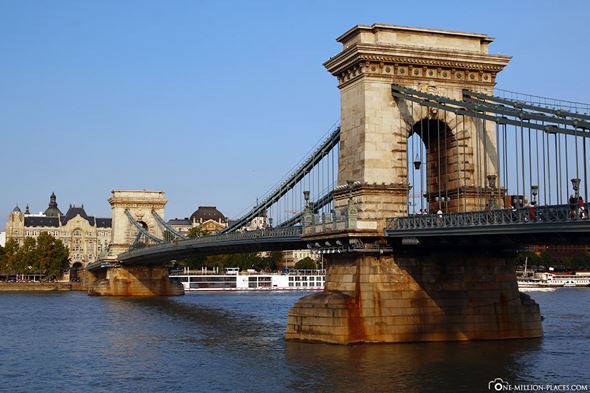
213,102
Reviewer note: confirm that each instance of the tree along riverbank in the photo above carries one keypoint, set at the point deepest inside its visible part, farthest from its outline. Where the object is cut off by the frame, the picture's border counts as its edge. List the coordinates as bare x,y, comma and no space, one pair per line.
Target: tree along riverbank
44,255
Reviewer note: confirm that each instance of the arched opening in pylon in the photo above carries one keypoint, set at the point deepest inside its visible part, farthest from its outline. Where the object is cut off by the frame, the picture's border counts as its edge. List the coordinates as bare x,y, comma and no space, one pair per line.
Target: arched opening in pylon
430,166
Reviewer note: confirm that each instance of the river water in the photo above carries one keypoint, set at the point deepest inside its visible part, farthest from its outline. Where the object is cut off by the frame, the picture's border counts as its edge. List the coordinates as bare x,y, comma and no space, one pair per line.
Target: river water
228,342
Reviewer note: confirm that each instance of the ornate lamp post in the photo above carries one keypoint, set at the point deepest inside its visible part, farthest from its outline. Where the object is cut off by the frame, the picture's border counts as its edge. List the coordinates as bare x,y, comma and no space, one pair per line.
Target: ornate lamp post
306,197
417,163
534,193
492,186
307,215
443,201
576,186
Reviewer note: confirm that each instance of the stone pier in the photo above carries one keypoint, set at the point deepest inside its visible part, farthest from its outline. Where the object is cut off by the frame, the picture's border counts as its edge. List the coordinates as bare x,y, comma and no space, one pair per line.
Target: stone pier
136,281
453,295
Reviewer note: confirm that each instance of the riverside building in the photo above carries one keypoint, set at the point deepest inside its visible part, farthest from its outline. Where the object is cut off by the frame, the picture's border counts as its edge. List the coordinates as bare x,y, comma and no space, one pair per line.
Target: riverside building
85,236
208,218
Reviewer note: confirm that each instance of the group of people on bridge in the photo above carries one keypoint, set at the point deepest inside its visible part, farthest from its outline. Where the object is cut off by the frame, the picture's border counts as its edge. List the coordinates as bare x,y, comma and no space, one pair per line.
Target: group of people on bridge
577,207
514,215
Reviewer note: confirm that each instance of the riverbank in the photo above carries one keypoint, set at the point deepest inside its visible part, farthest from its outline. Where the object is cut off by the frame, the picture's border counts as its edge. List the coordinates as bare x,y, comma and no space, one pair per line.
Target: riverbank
36,286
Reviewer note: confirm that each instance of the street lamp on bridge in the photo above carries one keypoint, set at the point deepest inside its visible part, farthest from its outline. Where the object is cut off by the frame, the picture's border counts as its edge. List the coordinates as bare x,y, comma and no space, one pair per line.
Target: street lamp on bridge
534,193
576,186
443,199
417,163
492,186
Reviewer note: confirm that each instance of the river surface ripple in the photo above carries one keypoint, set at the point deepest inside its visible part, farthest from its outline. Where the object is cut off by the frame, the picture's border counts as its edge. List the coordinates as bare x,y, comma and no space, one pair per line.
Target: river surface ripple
233,342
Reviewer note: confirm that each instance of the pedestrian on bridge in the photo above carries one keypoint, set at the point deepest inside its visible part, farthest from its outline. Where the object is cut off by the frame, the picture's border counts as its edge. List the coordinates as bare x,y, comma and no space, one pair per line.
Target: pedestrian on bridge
581,207
573,203
439,213
532,212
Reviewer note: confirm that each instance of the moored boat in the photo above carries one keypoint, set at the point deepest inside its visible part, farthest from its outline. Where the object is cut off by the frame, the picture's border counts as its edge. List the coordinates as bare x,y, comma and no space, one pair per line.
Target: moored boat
528,280
550,280
233,280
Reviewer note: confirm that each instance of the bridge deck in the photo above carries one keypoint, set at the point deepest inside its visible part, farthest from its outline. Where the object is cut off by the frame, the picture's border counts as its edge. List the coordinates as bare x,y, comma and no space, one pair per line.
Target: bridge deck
228,243
517,226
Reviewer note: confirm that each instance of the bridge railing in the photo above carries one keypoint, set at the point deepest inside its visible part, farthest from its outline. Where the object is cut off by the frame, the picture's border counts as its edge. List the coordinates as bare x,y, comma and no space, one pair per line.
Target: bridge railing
259,233
518,216
270,233
337,220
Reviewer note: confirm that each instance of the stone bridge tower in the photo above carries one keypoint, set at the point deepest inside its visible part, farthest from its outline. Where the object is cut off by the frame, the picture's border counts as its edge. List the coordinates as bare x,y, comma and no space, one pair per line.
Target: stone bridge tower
140,204
413,292
138,279
375,126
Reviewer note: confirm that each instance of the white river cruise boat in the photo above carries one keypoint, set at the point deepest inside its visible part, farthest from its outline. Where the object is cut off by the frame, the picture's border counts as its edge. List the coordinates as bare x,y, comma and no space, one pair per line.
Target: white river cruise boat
528,280
549,280
233,280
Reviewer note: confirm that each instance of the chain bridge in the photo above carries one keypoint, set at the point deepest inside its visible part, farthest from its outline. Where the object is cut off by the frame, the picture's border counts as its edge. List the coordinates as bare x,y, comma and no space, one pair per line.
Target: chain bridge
418,199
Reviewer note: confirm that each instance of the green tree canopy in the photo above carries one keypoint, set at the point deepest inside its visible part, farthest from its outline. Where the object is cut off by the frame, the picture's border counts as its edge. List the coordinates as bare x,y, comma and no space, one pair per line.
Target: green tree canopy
51,254
532,259
8,261
45,254
26,257
306,263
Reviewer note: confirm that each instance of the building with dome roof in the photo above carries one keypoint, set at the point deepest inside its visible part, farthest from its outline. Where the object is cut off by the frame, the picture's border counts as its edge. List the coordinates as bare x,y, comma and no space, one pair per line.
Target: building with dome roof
208,218
85,236
212,220
52,210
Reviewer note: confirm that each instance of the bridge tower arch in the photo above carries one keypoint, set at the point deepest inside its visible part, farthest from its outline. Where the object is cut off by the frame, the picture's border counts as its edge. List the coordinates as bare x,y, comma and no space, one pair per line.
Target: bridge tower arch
436,167
375,126
139,203
432,160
